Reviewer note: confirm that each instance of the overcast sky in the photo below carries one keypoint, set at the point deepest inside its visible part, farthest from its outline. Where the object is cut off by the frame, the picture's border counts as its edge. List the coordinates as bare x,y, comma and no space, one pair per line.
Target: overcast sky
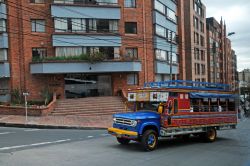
237,17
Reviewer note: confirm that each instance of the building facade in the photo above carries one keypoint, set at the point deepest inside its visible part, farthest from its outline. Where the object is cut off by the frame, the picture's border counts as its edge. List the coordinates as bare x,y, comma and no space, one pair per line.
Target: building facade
215,51
244,78
80,48
194,24
222,60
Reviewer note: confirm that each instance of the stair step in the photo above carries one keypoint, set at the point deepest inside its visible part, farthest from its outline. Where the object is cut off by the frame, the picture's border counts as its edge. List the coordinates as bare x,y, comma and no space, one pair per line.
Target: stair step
92,106
90,111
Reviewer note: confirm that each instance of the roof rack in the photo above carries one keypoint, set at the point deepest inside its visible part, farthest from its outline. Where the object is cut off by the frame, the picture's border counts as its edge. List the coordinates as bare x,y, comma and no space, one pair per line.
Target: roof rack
188,85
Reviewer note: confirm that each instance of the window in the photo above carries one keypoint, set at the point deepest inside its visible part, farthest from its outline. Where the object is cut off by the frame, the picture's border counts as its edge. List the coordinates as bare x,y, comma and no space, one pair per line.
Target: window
171,36
196,24
85,25
107,2
132,79
39,53
202,55
38,25
105,25
132,53
61,25
2,25
171,15
37,1
160,7
3,55
130,3
161,31
70,51
202,40
78,25
161,55
174,58
201,26
131,27
203,69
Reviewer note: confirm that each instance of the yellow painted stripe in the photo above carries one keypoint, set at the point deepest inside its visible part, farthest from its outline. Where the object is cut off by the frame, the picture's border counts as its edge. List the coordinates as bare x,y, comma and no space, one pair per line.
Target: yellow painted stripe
119,131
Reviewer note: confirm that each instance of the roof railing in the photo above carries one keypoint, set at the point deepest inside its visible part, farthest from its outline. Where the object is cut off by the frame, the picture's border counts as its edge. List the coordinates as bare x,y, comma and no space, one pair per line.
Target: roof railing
188,85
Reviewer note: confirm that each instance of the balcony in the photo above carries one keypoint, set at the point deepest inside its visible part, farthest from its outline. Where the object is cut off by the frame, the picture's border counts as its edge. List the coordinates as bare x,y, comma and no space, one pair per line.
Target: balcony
64,67
164,68
60,40
4,69
79,11
87,2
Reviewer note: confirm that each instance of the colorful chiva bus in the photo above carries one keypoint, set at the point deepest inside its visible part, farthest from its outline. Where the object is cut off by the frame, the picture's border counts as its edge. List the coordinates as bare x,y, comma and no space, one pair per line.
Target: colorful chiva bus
175,108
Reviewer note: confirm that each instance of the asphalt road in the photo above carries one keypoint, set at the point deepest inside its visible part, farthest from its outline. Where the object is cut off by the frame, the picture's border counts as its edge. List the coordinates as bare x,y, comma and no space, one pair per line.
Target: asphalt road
22,147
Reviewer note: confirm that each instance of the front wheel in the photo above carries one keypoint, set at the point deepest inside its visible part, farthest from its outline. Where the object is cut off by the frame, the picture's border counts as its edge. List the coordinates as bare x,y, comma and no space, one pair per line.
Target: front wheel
149,140
123,141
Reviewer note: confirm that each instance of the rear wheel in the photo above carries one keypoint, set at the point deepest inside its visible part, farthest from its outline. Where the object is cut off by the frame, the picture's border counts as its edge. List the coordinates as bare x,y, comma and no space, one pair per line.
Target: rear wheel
210,135
123,141
149,140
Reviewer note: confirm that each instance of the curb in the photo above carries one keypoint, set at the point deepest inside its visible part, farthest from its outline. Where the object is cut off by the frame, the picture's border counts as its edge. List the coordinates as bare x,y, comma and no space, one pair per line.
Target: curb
49,126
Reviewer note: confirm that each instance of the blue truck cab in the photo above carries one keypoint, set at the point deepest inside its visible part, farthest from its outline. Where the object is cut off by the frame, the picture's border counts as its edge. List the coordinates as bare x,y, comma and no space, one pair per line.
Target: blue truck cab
142,126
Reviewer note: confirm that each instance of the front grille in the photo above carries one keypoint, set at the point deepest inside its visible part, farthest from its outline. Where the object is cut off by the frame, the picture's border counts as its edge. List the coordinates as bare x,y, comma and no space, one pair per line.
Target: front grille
122,121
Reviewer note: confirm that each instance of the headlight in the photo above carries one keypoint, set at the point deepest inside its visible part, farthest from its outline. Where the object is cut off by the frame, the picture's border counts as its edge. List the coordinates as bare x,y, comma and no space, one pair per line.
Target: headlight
134,123
114,120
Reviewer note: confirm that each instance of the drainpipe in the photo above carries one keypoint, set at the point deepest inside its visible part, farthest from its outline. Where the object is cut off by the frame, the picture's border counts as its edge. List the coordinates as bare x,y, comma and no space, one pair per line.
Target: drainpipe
144,44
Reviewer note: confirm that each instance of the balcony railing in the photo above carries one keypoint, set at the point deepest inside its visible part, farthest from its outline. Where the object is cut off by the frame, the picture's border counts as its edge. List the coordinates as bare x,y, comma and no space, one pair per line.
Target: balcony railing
87,2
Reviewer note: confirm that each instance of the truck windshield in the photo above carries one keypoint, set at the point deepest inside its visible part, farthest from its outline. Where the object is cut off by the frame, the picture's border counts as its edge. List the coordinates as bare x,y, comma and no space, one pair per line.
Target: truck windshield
150,106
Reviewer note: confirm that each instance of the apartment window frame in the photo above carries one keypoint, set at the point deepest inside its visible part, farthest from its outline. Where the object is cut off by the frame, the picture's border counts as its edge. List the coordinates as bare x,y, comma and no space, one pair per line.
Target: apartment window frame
3,54
133,51
161,31
131,28
161,55
3,25
171,15
130,3
35,25
160,7
39,52
37,1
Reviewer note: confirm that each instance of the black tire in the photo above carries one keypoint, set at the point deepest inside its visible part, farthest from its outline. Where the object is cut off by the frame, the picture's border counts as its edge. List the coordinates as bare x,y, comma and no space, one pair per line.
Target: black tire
123,141
149,140
210,135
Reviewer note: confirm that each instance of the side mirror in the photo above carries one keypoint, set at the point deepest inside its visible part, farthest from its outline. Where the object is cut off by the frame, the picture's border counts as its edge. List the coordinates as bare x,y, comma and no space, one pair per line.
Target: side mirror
160,109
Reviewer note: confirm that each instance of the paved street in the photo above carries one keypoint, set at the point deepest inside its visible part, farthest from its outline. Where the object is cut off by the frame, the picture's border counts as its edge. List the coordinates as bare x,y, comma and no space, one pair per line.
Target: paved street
93,148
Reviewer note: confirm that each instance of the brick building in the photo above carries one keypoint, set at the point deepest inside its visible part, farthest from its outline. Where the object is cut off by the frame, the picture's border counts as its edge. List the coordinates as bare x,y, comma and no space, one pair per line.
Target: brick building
222,61
81,48
192,39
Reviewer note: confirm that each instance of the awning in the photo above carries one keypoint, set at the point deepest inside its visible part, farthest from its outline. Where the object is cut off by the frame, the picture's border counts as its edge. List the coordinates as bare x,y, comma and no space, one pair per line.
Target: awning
210,95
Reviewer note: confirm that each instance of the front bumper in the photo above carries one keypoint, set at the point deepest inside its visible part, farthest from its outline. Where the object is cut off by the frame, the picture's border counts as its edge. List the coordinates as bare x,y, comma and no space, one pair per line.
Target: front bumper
123,133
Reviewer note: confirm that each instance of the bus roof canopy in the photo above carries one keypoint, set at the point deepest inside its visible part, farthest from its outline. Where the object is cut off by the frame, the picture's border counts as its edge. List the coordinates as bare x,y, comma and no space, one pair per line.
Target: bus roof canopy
210,95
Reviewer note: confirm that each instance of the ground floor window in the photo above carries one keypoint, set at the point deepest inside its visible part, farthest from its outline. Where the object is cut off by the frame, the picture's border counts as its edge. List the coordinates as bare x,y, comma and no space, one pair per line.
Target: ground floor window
132,79
85,85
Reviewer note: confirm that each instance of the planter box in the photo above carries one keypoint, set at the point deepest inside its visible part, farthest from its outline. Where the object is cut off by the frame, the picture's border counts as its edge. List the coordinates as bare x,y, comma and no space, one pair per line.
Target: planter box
32,111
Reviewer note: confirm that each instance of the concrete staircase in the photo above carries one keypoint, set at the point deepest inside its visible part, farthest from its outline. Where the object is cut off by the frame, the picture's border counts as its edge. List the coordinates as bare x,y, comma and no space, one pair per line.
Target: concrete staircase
91,106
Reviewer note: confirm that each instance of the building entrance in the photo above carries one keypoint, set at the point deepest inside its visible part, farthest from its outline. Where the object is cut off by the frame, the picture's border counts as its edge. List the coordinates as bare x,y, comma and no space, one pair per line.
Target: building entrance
81,85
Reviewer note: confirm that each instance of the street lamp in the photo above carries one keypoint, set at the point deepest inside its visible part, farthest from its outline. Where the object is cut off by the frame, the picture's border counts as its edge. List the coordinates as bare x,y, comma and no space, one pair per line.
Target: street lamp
230,34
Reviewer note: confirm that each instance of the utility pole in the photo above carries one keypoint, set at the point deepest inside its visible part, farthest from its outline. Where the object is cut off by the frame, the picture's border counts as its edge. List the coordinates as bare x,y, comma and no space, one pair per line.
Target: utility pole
171,55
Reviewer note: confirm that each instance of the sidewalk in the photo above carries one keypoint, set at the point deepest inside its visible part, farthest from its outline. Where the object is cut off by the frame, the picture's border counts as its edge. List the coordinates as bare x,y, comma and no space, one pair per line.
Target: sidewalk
68,122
